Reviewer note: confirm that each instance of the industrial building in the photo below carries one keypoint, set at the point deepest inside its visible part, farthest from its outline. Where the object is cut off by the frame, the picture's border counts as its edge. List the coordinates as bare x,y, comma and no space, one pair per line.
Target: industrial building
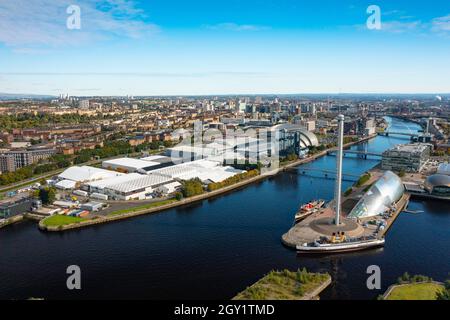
406,157
129,165
19,204
100,185
137,189
162,160
86,174
206,170
92,206
169,188
381,196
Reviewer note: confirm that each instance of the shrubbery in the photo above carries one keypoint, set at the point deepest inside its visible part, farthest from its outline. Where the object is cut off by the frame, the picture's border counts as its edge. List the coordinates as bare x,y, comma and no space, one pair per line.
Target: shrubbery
348,192
444,294
366,177
406,278
232,180
192,188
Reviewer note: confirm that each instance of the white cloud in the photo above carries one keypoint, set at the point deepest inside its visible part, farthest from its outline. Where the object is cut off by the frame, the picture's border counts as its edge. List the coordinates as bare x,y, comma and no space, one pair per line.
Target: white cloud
400,26
43,22
441,24
230,26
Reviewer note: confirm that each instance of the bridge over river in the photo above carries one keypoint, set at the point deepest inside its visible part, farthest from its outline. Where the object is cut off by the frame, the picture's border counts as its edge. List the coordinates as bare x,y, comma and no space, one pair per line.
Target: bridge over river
360,153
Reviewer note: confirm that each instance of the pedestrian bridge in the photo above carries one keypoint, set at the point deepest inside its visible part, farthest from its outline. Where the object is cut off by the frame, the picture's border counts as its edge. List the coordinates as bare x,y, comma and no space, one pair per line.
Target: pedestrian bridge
361,154
324,173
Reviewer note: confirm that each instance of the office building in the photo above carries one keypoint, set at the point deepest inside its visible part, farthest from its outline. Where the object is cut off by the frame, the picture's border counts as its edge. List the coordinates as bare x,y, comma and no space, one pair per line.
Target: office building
406,157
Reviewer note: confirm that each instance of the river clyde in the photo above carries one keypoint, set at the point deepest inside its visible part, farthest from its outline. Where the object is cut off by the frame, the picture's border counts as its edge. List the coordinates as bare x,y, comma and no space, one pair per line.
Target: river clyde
215,248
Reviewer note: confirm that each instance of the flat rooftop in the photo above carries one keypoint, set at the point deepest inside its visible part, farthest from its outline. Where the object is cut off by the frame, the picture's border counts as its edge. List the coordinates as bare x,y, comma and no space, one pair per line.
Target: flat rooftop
410,148
130,163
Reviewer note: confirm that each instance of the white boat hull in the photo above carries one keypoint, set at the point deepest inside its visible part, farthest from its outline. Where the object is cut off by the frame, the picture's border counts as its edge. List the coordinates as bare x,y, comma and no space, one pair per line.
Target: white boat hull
341,247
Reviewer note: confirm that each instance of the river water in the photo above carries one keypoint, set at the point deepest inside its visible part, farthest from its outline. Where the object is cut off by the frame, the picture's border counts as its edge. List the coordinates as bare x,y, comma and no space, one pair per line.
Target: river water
214,249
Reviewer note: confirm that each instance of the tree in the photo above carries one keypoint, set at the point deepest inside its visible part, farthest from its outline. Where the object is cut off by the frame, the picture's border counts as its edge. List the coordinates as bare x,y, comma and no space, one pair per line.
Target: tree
404,278
47,195
192,188
178,196
444,294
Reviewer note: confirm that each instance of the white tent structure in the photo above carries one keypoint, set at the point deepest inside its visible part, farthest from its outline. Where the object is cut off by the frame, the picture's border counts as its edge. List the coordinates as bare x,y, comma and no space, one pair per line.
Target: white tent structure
86,174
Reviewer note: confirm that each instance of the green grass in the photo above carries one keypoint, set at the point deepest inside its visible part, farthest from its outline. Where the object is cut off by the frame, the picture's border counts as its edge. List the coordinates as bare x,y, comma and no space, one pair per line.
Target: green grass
61,220
283,285
415,291
142,207
363,180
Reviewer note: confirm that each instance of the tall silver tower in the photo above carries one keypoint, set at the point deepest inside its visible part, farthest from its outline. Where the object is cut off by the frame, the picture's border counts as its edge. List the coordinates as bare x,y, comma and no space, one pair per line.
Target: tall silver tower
338,186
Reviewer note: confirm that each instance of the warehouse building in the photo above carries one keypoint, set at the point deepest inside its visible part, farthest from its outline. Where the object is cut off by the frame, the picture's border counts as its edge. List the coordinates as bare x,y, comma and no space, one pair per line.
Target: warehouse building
169,188
99,186
129,165
206,170
86,174
92,206
137,189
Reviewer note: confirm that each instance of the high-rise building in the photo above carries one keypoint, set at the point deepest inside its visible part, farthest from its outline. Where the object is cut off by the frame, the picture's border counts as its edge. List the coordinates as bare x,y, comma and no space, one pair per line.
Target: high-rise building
84,104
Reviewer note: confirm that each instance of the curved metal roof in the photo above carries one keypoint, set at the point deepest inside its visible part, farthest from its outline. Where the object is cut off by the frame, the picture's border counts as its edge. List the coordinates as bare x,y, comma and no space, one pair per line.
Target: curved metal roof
386,191
308,138
438,180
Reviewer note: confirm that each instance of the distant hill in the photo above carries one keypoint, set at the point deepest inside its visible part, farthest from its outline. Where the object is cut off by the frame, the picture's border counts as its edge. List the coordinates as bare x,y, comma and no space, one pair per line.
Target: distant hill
14,96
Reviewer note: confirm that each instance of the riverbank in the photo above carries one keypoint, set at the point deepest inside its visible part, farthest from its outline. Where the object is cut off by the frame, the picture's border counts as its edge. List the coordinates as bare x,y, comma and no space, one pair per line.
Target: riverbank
204,196
7,222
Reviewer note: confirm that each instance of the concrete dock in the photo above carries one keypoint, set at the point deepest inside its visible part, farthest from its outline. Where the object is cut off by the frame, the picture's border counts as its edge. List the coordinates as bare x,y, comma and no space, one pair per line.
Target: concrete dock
321,224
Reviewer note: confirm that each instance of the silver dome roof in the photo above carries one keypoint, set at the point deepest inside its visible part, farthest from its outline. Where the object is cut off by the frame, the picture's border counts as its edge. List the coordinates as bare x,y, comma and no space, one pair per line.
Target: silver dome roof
438,180
386,191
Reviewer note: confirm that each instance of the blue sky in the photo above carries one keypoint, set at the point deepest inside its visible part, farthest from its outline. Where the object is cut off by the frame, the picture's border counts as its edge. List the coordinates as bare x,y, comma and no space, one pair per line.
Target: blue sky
164,47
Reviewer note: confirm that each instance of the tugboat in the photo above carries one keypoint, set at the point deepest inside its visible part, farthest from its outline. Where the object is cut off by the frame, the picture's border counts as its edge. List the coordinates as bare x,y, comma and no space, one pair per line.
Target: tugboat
308,209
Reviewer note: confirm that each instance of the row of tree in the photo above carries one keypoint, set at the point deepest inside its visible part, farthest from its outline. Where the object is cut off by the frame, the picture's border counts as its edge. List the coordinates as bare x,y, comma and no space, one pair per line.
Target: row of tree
30,120
232,180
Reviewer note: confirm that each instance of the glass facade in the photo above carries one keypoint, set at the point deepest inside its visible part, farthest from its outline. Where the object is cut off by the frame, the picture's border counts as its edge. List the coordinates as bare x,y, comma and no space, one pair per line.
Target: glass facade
386,191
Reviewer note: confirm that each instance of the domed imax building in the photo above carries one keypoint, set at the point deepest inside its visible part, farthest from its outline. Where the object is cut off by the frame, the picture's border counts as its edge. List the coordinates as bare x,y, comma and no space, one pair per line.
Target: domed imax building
438,185
381,196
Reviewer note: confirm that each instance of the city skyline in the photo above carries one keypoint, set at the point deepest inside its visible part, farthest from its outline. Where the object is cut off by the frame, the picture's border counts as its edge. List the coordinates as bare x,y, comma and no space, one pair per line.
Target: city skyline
200,48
